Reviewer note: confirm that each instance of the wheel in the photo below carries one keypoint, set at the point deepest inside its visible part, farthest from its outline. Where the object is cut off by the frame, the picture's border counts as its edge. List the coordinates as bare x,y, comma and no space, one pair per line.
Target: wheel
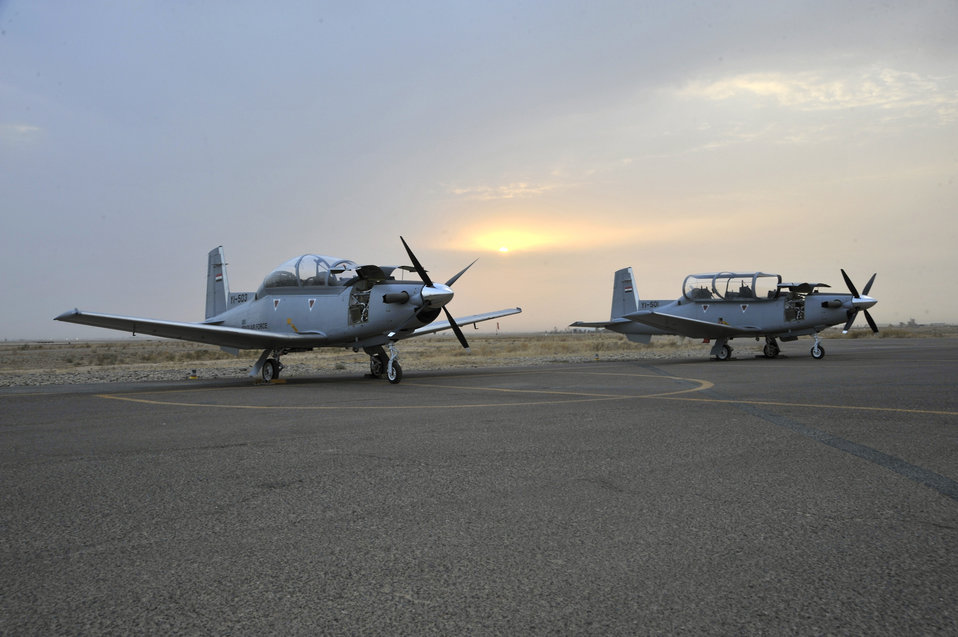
377,365
394,372
771,351
724,353
270,370
818,352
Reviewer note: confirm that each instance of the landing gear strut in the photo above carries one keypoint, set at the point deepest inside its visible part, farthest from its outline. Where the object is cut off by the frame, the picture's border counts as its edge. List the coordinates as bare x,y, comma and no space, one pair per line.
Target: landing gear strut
818,352
393,369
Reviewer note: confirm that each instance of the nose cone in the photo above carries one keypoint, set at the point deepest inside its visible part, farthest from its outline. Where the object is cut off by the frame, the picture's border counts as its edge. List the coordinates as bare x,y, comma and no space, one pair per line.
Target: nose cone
863,302
436,295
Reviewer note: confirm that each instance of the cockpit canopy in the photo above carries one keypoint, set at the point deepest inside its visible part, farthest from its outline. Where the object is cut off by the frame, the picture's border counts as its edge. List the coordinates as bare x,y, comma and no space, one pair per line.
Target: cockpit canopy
731,286
309,271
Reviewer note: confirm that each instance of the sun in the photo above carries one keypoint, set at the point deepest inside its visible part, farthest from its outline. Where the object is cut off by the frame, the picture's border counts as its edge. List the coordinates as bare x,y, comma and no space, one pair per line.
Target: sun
503,249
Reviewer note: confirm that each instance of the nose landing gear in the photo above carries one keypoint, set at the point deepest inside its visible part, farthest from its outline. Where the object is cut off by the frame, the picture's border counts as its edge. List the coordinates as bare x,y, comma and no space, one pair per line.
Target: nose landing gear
381,365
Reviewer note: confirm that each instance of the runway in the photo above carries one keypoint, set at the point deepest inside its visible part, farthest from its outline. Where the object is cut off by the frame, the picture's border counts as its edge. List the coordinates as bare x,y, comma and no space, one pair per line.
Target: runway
650,496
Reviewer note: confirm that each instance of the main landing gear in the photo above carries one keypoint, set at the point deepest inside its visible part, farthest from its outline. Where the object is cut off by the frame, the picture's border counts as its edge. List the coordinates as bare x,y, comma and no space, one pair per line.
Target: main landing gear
771,349
721,350
268,365
381,365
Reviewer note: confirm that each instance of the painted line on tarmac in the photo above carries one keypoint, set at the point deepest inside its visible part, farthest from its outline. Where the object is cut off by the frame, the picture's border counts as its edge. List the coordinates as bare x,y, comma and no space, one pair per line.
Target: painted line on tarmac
572,397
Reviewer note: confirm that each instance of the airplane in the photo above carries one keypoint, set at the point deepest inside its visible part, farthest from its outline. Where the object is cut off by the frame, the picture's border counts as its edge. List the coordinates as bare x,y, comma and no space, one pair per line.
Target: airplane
312,301
721,306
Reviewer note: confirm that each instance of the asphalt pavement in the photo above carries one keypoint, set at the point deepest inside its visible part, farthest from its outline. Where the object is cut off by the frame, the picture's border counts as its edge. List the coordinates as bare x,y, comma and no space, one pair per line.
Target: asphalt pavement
753,496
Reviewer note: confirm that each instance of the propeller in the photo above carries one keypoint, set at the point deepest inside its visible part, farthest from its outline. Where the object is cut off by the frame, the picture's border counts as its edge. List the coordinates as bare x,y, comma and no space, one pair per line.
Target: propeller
438,293
860,303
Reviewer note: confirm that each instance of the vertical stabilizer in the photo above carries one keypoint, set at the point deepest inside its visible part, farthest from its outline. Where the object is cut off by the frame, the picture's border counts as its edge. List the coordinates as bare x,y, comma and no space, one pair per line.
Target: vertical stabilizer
625,299
217,287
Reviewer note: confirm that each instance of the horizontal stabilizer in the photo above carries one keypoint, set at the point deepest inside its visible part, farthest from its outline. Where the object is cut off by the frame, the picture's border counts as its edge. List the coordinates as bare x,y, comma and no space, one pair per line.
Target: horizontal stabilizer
606,324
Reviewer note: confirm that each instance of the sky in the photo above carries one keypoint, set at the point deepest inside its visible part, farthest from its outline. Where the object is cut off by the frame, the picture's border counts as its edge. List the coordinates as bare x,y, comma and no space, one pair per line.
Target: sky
794,137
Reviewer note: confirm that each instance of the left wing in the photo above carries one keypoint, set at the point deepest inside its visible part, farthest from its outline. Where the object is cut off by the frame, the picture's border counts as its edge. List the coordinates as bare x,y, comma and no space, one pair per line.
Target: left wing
466,320
234,337
693,328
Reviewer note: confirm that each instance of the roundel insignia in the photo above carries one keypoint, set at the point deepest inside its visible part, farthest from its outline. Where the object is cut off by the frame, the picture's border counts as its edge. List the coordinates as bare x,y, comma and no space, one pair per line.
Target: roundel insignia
276,303
744,307
312,302
705,308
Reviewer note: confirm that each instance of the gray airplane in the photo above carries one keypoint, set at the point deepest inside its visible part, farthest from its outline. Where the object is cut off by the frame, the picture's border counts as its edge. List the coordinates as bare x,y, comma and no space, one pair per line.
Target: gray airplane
312,301
726,305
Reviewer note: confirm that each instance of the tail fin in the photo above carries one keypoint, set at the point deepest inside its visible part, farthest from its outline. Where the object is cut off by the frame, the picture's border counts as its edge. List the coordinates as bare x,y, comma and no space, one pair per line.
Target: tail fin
625,299
217,286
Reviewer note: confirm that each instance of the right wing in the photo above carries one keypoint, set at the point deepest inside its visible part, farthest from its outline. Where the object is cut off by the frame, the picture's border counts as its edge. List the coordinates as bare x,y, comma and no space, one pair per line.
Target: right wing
466,320
234,337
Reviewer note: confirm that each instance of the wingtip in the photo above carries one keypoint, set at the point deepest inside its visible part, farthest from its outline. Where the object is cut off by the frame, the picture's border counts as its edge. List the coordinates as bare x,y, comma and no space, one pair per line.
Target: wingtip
65,315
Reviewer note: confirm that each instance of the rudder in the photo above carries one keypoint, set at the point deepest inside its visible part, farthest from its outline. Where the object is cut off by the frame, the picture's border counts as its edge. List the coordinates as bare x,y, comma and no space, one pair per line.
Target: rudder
217,286
625,299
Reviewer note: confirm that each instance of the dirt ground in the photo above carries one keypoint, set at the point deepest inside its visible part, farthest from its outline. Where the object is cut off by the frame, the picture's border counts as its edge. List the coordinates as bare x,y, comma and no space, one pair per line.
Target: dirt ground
144,358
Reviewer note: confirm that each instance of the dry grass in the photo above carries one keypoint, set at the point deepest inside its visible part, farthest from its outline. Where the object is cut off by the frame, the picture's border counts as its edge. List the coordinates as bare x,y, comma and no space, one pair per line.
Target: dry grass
429,352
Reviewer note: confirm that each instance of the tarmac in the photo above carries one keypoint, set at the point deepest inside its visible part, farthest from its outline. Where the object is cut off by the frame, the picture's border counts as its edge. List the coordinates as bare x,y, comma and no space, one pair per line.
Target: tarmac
753,496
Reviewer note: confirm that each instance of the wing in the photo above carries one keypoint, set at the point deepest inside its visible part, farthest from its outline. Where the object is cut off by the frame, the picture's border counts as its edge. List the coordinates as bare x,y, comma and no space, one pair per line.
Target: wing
234,337
618,321
689,327
465,320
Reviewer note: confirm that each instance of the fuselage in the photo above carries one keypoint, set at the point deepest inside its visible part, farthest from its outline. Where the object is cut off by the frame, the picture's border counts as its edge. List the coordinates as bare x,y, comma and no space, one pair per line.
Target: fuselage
345,316
781,316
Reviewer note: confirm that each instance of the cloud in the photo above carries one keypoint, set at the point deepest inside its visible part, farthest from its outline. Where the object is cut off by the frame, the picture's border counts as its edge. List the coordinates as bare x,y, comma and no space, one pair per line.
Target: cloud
904,93
516,190
19,133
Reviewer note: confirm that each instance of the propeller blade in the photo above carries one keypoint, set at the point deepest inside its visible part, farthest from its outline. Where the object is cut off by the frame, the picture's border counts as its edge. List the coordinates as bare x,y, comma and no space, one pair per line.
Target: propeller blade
461,272
848,282
868,286
455,328
415,262
871,321
851,319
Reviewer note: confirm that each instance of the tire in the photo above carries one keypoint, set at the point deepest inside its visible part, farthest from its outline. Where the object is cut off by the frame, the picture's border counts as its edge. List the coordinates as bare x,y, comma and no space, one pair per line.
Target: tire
394,373
377,365
817,352
270,370
771,351
724,353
